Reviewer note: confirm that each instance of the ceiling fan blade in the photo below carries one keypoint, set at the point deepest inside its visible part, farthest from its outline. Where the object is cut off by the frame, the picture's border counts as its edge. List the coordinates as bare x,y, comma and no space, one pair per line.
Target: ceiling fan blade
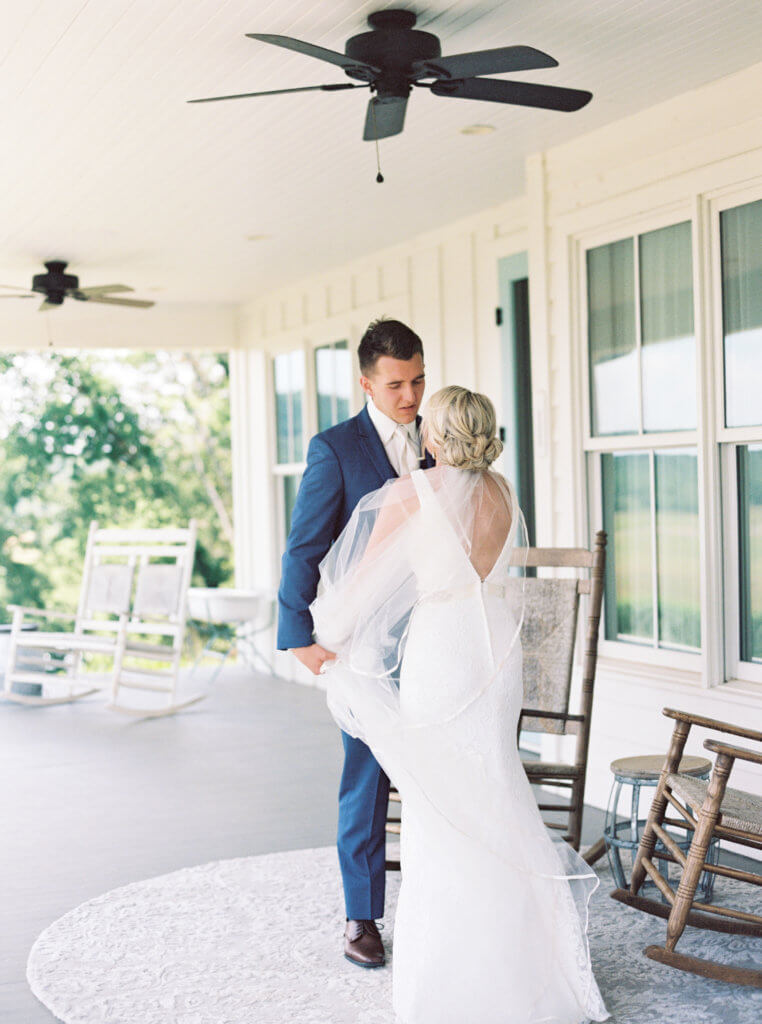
385,117
485,62
30,296
101,289
320,52
45,305
280,92
523,94
139,303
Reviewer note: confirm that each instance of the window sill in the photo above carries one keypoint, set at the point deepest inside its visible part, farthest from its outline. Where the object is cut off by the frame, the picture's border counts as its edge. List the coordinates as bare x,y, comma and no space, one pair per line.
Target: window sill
740,692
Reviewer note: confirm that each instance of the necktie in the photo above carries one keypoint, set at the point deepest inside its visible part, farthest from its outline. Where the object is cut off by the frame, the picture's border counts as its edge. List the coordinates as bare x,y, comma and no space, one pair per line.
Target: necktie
408,456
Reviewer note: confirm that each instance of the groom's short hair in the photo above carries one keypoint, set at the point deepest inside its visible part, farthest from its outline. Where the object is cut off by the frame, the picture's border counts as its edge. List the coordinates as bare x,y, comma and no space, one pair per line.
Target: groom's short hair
387,338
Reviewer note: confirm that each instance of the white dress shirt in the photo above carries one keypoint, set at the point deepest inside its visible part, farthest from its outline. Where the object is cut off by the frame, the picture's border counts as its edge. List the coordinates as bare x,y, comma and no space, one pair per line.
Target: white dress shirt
401,441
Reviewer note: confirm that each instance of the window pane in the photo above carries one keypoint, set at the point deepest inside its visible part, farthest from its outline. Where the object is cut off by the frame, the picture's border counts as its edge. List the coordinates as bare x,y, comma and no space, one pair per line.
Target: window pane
677,543
297,391
666,317
333,374
741,242
282,408
629,561
750,534
611,334
289,387
290,490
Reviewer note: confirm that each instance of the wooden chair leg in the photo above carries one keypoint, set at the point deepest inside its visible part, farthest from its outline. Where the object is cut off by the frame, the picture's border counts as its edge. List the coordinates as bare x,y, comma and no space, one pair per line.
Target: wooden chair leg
575,814
594,853
707,819
658,806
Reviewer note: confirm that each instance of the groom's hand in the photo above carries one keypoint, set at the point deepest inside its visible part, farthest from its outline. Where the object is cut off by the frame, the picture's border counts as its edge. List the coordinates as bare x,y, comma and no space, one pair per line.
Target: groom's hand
313,656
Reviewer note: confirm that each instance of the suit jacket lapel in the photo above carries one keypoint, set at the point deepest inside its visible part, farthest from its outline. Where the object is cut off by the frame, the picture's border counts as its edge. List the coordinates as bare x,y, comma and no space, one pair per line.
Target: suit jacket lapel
373,446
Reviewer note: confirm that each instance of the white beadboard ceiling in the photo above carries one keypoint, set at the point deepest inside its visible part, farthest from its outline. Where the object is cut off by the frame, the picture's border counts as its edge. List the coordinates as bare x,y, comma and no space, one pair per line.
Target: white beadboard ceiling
103,163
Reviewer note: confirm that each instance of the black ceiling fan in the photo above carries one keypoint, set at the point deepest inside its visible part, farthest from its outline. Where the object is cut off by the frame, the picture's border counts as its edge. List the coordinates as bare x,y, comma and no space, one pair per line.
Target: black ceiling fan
57,285
393,57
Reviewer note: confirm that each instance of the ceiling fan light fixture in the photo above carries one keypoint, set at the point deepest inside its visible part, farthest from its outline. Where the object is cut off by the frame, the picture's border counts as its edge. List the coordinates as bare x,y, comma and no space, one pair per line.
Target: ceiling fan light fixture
478,129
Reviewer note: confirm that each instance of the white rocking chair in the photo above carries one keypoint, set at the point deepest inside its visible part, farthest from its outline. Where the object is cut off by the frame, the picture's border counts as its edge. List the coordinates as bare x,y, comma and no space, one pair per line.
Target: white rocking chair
49,664
110,622
155,630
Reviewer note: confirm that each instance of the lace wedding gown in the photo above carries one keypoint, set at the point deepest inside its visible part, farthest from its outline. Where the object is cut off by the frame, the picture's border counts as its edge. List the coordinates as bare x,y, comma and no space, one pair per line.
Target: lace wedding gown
492,916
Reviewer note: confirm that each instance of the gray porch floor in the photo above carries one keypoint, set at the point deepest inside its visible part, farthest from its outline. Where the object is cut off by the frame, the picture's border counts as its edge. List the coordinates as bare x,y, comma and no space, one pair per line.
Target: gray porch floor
90,800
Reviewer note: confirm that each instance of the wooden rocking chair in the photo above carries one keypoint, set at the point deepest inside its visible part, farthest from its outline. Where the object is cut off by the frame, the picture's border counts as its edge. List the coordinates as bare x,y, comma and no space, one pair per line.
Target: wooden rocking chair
723,813
548,636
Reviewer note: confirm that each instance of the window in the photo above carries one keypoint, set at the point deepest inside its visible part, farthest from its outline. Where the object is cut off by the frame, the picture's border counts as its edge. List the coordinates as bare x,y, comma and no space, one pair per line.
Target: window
288,370
333,383
312,390
642,386
670,485
750,551
640,332
650,512
290,490
289,386
740,433
741,248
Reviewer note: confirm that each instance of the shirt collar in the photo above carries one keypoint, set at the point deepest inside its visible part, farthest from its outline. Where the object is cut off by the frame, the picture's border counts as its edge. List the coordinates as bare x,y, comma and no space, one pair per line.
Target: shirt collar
385,425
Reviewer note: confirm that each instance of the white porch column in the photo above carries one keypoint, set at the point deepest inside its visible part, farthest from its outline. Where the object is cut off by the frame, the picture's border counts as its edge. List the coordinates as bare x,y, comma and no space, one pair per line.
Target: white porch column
253,523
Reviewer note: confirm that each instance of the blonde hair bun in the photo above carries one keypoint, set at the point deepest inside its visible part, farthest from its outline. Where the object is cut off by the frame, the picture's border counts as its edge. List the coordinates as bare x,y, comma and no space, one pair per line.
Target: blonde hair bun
460,425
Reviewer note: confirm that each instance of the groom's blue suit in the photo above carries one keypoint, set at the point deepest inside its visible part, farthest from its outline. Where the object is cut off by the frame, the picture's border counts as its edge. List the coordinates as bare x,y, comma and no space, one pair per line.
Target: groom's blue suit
344,463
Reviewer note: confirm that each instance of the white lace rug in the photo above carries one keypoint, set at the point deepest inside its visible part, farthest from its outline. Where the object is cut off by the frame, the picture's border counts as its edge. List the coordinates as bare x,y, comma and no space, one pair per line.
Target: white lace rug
258,941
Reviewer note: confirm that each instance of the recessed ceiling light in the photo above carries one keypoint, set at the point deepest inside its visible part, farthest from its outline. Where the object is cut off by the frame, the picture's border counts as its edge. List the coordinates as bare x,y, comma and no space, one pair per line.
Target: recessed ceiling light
257,238
478,129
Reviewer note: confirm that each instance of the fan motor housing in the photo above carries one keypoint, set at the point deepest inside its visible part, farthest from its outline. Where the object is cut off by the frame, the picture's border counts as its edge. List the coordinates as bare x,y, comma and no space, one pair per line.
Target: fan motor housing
393,44
55,284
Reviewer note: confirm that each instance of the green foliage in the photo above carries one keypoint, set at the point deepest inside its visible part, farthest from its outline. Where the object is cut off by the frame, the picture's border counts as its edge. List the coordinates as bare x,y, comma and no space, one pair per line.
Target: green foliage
127,439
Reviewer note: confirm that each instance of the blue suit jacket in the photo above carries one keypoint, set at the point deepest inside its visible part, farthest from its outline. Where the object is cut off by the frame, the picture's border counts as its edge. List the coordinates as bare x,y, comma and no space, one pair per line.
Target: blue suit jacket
344,463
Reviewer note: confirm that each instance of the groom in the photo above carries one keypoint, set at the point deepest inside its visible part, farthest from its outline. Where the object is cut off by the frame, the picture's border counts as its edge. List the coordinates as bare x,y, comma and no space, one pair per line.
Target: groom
344,463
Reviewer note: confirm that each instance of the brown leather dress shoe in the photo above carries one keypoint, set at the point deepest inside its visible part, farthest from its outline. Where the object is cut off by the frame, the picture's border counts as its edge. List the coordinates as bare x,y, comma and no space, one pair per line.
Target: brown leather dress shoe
363,945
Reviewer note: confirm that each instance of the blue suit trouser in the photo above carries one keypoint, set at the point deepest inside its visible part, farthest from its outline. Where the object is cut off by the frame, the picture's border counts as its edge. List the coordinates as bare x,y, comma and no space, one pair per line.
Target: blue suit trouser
363,799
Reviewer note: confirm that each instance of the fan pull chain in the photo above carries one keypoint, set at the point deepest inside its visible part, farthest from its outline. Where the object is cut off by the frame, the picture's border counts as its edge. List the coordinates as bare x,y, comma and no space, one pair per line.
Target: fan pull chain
379,176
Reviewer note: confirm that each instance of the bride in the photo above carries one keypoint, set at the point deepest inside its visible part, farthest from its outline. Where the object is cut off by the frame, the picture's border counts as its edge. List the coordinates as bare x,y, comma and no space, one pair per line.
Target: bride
419,600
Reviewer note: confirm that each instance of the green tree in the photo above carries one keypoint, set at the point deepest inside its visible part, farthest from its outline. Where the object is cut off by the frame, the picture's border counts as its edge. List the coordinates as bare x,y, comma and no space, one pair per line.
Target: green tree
136,439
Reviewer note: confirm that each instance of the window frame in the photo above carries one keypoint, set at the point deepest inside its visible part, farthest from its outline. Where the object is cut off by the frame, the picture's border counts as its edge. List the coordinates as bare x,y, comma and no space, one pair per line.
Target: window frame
329,335
718,663
688,663
332,346
728,439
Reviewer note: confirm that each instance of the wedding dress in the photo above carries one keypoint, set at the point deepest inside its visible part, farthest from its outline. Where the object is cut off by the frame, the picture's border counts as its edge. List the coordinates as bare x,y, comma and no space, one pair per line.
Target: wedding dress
419,601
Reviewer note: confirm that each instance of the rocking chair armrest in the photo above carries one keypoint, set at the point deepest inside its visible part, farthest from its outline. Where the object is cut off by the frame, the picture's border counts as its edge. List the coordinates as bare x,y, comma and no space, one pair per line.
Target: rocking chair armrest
731,750
557,715
713,723
45,613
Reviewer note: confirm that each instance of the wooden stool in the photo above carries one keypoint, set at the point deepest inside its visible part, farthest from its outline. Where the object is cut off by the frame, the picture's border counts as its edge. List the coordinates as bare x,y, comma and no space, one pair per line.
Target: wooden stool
639,772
